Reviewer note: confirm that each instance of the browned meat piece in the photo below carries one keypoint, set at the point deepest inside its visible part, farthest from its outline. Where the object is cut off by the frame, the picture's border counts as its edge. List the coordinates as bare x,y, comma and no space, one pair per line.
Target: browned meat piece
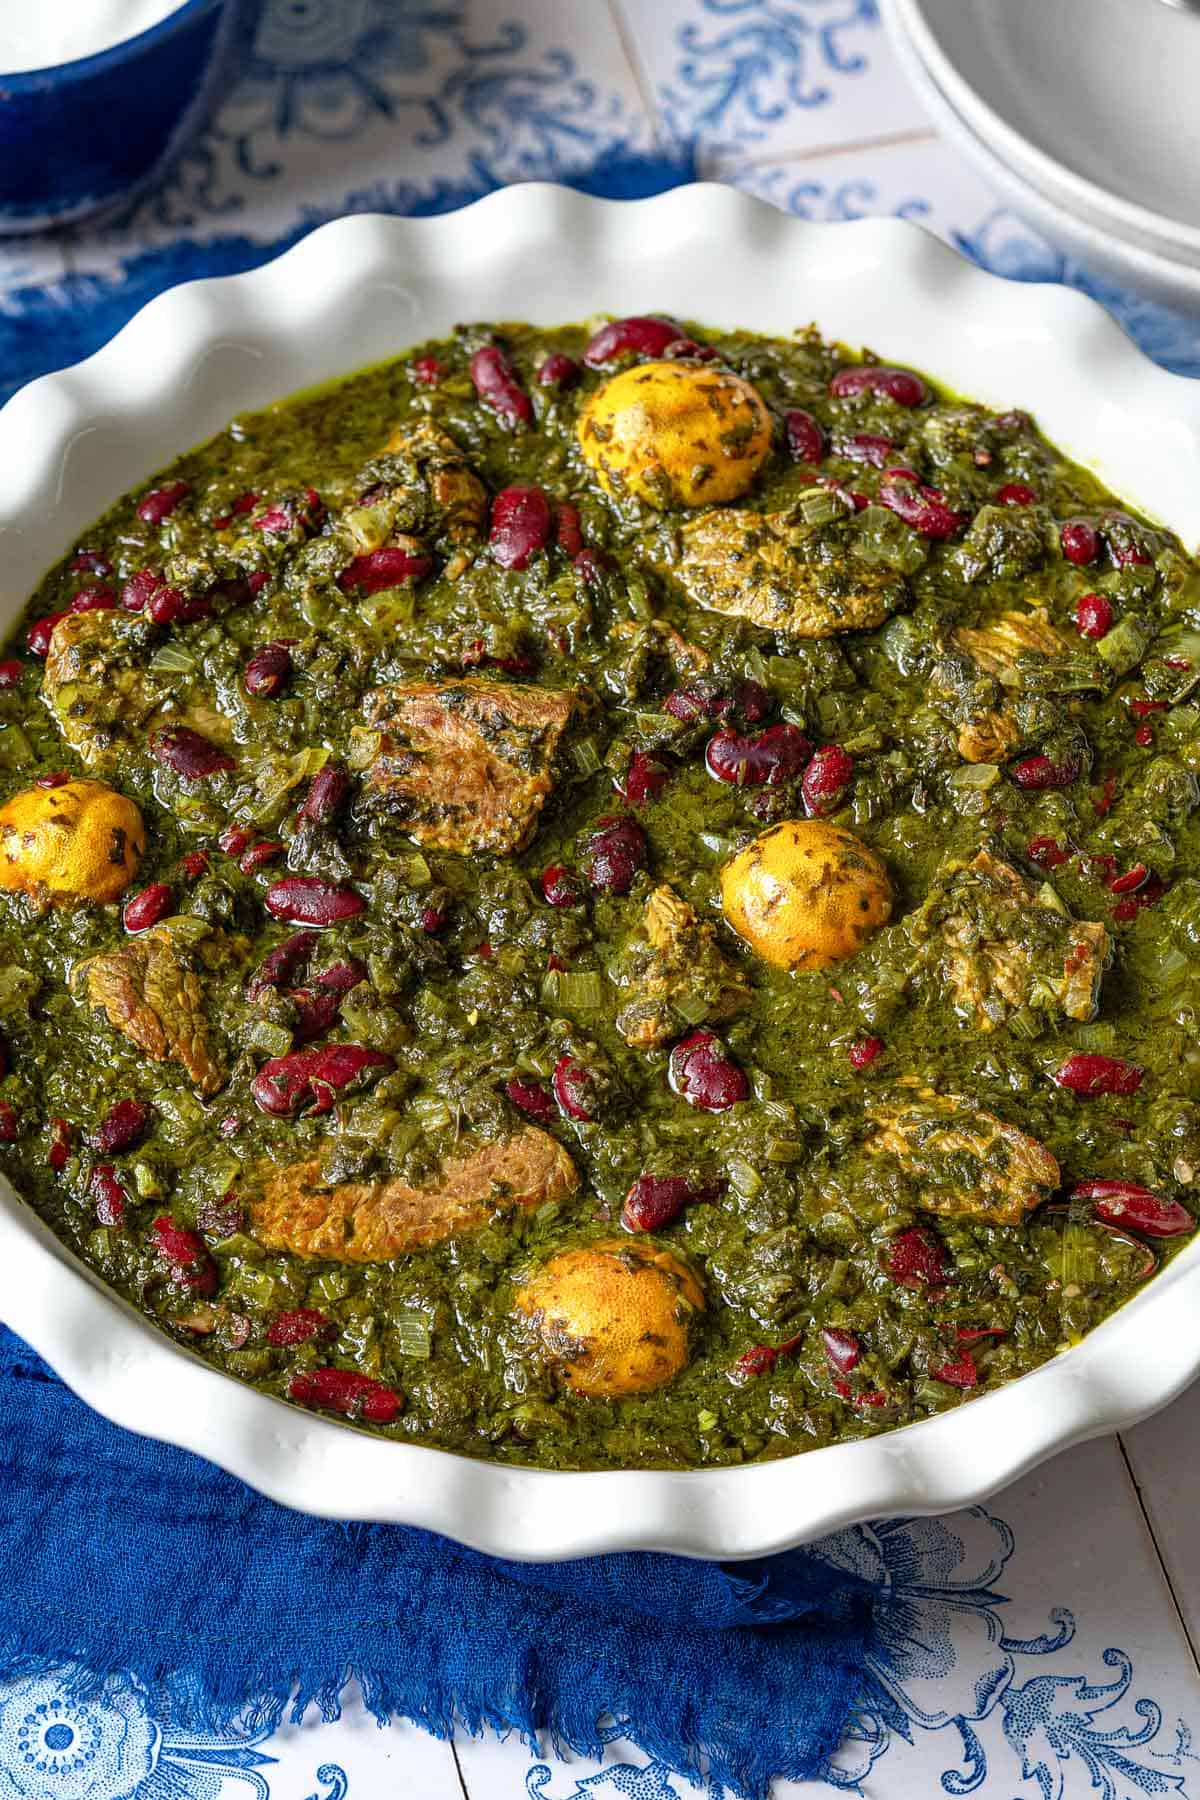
149,994
1011,644
781,575
95,682
373,1221
445,496
969,1163
988,736
468,765
675,974
1009,949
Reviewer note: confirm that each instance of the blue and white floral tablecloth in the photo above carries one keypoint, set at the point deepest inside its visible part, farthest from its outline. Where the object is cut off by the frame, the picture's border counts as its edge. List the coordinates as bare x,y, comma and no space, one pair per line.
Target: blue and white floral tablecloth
1042,1648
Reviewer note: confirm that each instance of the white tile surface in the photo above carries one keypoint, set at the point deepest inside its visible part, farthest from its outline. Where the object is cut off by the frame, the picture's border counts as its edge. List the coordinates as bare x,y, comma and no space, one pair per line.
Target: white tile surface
769,76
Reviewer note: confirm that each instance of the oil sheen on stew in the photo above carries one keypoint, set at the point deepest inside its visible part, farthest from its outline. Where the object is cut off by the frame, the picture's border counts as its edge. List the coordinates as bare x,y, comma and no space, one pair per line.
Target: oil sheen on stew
617,897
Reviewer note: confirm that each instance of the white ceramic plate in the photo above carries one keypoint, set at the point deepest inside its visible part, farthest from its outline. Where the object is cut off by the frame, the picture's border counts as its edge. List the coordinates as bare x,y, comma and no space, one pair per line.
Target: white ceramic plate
1091,101
1172,281
361,290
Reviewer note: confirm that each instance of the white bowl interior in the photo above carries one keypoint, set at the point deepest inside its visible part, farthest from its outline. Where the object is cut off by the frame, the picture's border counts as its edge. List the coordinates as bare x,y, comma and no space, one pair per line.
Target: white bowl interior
361,290
1099,93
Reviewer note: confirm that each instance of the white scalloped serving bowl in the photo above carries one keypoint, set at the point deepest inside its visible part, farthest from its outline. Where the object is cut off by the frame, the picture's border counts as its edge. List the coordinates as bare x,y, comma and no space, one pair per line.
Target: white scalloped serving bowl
361,290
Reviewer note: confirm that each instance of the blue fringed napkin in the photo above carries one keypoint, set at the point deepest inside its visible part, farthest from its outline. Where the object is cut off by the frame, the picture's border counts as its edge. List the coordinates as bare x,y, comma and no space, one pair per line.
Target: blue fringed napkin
125,1556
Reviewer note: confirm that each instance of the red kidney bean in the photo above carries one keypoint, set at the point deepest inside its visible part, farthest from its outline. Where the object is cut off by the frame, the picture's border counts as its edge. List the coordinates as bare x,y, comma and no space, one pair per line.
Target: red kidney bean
165,605
866,447
186,1256
1144,736
326,794
568,532
686,349
1128,1205
280,967
702,1072
959,1373
305,513
826,780
559,371
109,1194
521,522
62,1138
187,754
426,371
11,672
1079,542
148,907
160,503
1047,853
54,779
345,1391
194,864
530,1098
268,671
433,920
299,1326
93,599
317,1011
90,562
1037,773
613,854
637,336
233,840
560,887
1144,709
10,1125
916,1258
656,1201
772,757
259,855
497,386
1088,1074
307,900
243,504
842,1349
974,1334
308,1079
123,1127
574,1088
591,566
138,589
762,1358
37,638
805,439
1093,615
1015,493
921,507
1131,881
864,1052
645,779
379,569
900,385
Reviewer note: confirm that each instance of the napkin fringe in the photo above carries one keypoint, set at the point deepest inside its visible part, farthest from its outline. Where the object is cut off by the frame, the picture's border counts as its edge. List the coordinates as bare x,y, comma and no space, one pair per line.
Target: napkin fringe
564,1708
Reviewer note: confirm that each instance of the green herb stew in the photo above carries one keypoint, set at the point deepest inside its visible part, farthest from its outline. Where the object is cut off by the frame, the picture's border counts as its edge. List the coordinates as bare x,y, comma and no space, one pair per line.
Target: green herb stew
610,898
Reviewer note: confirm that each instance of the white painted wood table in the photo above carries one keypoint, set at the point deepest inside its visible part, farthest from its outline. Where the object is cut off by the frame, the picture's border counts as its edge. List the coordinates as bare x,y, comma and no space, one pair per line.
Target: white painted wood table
1050,1646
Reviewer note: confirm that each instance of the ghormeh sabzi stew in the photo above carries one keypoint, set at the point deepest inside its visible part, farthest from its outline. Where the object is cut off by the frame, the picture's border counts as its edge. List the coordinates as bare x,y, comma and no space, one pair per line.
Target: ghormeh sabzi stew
610,898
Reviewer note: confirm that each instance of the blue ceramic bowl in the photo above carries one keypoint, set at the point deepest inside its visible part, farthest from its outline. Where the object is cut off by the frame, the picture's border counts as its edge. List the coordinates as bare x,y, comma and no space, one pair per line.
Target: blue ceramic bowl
88,134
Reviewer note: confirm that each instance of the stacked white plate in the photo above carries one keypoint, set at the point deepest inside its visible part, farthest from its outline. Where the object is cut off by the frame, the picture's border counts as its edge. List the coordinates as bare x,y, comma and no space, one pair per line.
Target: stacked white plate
1083,114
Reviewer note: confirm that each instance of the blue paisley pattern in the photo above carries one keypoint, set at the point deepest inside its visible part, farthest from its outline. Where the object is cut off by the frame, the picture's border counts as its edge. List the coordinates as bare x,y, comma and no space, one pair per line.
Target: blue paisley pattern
939,1660
744,63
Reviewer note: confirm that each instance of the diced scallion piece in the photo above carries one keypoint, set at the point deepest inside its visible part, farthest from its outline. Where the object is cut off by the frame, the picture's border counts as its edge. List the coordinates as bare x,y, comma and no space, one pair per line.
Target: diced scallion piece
413,1332
584,992
1124,646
